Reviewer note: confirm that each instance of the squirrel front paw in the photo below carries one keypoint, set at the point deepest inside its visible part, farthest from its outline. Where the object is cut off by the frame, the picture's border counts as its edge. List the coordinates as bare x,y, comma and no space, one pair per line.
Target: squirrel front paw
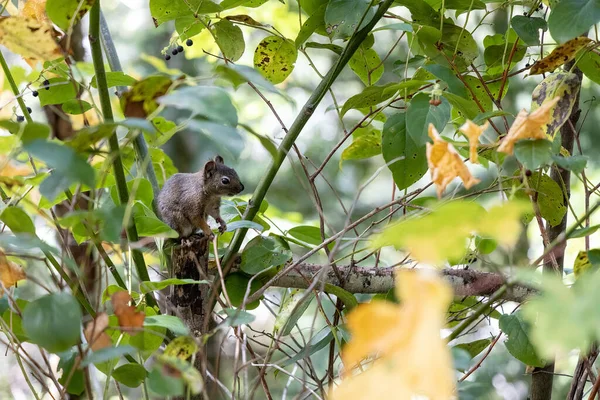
222,225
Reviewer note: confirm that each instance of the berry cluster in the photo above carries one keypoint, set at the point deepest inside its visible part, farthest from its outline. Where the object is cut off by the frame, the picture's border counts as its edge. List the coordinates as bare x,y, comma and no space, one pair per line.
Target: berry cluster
178,49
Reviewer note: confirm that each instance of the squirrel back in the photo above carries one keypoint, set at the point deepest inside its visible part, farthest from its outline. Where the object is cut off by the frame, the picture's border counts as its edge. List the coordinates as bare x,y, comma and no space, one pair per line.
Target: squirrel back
186,199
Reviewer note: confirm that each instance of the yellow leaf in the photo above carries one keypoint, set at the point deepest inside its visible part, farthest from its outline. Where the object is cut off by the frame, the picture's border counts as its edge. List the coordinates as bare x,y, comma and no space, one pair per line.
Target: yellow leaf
581,264
35,9
528,126
181,347
94,332
29,38
559,56
10,272
445,163
472,131
413,358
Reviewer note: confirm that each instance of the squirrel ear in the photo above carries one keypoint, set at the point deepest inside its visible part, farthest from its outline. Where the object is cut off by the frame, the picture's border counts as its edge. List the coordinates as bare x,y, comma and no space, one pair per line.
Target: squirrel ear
209,168
218,159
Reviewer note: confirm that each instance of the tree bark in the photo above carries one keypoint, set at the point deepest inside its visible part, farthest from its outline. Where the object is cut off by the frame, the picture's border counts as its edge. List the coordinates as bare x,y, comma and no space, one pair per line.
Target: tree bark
542,378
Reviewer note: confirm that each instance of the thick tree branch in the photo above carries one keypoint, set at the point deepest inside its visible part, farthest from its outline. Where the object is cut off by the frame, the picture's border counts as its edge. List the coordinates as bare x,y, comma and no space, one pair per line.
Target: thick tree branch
464,282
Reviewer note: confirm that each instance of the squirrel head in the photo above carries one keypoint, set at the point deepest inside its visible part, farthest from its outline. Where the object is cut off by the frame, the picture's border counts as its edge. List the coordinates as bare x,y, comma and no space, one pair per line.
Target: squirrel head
221,180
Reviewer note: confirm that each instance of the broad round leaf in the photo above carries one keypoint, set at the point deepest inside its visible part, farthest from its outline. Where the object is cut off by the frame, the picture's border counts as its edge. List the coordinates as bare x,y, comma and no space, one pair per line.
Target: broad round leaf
230,39
53,321
275,57
66,13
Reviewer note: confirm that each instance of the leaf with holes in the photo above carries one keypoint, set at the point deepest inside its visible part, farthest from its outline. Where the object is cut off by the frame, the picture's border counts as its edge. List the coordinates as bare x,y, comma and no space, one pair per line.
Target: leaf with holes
560,55
343,16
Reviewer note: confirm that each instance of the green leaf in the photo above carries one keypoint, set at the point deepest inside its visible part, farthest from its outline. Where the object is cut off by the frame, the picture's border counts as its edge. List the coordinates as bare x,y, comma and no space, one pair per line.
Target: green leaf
594,257
232,226
474,348
17,220
346,297
343,16
76,106
397,143
582,232
275,57
149,340
455,85
212,103
230,39
589,64
574,164
315,22
401,26
363,147
237,317
169,322
306,233
227,139
165,385
69,167
571,18
238,74
497,52
53,322
130,375
292,308
236,285
189,26
116,79
74,378
148,286
528,28
59,91
107,354
519,343
316,343
420,114
153,226
467,108
167,10
367,65
421,12
533,153
261,253
27,132
549,198
66,13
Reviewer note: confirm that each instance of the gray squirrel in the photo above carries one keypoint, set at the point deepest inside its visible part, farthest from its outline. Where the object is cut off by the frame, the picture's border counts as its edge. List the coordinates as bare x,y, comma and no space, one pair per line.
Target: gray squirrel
186,200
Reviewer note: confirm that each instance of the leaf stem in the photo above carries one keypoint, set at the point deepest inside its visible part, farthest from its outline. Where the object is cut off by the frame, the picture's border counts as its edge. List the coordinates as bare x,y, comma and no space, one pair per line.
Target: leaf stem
15,88
132,235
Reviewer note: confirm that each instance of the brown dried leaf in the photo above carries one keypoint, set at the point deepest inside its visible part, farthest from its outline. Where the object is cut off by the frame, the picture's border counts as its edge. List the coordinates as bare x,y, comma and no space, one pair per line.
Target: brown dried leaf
30,38
445,163
472,131
245,19
94,332
10,272
129,319
528,126
559,56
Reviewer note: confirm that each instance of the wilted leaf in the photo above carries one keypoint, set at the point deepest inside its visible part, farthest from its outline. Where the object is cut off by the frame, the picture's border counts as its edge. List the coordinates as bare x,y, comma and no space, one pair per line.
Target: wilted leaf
473,131
528,126
414,361
94,332
10,272
560,55
445,163
30,38
35,9
140,100
130,321
181,347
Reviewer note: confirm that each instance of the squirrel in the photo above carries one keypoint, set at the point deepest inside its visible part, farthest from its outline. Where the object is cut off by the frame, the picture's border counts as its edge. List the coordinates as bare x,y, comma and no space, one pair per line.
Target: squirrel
186,200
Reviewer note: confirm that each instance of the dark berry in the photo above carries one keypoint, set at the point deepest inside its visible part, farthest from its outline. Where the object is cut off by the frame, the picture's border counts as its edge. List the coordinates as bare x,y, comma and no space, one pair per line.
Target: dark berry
527,65
528,172
189,42
35,93
174,52
180,49
46,84
29,110
20,118
167,57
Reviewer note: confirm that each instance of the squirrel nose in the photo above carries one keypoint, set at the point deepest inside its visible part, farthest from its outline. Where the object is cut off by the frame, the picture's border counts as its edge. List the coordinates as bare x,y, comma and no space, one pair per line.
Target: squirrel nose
242,185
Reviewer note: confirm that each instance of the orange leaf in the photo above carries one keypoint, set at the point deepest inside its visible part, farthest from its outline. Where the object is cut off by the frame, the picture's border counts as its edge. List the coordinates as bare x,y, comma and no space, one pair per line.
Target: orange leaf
472,131
559,56
10,272
414,361
445,163
129,319
94,332
528,126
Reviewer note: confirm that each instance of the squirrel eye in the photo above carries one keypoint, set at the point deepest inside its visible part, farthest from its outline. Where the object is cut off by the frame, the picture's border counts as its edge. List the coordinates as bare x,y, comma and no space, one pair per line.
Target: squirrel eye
225,180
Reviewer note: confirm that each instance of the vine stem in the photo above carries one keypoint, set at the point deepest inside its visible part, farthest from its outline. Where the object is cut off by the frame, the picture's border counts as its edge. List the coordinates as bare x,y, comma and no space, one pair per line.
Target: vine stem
297,126
132,235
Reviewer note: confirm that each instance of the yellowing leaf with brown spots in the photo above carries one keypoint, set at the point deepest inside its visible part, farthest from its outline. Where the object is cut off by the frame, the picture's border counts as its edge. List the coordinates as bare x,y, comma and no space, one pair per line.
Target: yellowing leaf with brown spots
445,163
94,332
414,361
10,272
559,56
35,9
472,131
528,126
130,320
30,38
